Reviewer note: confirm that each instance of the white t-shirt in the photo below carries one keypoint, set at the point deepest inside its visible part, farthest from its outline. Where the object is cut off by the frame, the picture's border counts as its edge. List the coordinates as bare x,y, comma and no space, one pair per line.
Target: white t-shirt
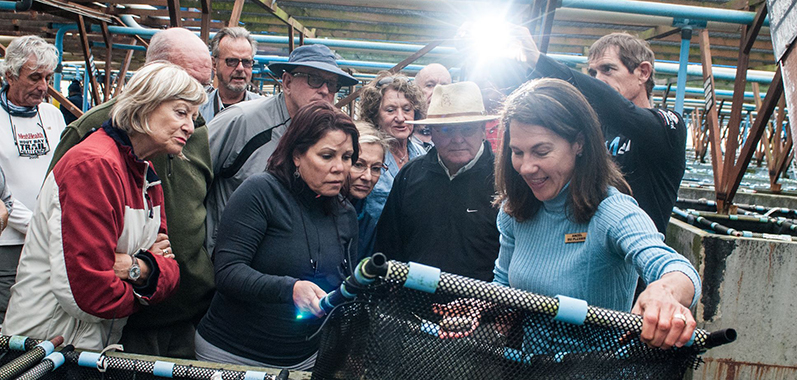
25,153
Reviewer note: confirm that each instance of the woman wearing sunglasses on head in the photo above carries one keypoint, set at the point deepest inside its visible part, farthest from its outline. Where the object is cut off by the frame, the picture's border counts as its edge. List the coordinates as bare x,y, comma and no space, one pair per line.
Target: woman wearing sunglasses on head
387,102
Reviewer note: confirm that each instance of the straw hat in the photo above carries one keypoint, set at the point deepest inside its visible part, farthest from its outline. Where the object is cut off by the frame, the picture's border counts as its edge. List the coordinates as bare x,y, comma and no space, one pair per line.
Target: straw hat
455,103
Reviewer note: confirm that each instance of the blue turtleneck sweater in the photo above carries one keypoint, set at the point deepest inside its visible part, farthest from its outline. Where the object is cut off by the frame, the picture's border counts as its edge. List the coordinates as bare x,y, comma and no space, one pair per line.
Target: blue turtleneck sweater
621,244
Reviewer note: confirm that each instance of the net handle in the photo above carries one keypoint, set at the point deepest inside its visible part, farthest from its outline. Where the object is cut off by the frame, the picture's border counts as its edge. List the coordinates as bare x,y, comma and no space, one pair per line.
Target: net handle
447,283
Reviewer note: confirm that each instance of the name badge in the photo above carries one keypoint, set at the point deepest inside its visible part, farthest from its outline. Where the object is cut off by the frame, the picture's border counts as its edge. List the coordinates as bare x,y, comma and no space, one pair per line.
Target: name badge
576,238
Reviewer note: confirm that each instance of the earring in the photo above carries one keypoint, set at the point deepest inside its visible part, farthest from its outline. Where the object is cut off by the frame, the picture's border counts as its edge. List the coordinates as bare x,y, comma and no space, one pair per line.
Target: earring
296,174
579,154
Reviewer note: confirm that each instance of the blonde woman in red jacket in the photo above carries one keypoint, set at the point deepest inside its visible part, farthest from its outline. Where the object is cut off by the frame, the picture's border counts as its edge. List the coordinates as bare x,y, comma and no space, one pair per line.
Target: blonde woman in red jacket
97,248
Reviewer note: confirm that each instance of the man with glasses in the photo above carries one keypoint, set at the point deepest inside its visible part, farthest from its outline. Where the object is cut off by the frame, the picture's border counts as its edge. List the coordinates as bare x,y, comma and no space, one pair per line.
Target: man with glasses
233,51
439,211
31,128
244,136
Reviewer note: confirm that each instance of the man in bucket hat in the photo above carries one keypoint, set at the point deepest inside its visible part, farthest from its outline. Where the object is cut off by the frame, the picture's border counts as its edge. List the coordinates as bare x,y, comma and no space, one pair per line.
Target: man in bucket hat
439,211
244,136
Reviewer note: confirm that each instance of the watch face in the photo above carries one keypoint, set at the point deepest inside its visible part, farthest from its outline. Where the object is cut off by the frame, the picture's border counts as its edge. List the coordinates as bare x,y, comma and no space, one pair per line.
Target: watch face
134,273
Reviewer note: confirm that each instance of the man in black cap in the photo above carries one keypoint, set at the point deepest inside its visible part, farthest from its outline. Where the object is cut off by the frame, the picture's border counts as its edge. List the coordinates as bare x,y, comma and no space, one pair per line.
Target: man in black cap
244,136
76,97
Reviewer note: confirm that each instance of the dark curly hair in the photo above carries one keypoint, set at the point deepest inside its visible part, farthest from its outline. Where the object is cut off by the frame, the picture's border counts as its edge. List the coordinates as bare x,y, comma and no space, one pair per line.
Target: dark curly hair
371,96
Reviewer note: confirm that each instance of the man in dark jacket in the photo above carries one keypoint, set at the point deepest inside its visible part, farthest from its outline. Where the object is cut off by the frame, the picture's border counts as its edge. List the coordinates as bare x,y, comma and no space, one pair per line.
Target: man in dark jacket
439,211
76,97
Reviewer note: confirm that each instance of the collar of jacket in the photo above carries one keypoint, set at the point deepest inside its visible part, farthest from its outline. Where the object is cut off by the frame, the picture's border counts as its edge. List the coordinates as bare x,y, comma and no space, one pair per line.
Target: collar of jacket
123,141
430,160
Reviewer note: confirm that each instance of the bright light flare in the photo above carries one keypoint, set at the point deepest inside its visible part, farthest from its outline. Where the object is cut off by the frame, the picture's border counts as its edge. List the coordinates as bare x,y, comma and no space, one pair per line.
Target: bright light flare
490,37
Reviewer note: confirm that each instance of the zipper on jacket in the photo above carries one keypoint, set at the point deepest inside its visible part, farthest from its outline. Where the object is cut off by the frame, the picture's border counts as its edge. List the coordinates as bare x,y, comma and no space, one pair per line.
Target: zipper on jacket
149,205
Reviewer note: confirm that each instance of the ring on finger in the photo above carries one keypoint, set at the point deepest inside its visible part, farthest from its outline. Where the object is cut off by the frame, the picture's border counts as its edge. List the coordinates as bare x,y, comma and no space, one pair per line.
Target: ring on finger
679,316
167,250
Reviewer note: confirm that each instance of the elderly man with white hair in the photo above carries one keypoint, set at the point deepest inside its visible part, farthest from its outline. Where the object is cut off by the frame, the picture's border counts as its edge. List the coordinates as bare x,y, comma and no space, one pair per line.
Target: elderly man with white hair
439,211
34,126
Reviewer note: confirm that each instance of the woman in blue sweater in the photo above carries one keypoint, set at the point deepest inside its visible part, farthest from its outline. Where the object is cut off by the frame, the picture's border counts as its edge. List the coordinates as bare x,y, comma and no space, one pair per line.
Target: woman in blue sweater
568,226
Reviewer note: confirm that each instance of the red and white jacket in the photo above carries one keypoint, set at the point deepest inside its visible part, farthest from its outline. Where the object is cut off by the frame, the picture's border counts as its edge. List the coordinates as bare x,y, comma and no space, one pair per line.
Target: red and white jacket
98,200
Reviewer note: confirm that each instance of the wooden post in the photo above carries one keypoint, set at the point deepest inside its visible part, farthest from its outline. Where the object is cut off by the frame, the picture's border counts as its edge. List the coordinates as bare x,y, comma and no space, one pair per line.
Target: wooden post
108,38
235,16
174,13
712,124
89,59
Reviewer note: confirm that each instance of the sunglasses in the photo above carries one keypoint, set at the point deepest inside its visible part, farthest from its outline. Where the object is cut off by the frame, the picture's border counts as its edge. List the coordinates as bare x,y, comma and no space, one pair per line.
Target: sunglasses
464,130
233,62
384,81
316,81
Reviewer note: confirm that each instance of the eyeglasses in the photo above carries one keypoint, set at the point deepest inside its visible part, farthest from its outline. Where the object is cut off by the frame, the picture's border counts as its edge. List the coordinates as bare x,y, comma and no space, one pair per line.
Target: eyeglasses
233,62
359,168
316,81
466,130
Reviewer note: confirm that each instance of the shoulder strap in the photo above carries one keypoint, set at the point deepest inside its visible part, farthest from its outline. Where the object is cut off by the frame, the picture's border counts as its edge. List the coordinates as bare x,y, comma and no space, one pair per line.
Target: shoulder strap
251,146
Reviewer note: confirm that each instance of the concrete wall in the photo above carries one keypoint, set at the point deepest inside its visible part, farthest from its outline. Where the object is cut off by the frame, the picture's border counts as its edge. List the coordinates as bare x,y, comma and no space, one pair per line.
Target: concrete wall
749,285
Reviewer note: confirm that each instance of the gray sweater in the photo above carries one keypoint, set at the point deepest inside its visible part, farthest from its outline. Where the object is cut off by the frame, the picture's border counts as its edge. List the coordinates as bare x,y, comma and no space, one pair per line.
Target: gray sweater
269,237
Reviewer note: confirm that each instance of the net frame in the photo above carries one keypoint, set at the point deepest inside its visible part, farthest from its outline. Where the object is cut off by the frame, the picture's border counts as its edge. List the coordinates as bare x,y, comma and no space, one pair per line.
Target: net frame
355,329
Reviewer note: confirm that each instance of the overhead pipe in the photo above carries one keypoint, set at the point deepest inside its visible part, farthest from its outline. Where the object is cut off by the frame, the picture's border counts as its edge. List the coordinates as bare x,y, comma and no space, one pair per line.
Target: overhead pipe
605,17
720,93
661,67
343,63
696,70
690,12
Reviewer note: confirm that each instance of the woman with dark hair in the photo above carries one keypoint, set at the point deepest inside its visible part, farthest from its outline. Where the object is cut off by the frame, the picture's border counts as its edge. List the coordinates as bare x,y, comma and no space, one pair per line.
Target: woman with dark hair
287,236
556,180
569,226
387,102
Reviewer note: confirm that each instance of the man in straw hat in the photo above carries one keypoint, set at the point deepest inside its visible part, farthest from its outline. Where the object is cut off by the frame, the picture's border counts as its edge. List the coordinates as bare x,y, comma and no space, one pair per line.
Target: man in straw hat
243,137
439,211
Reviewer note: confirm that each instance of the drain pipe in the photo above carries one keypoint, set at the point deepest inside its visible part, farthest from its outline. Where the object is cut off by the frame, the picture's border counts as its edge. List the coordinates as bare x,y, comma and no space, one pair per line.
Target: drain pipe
683,65
59,45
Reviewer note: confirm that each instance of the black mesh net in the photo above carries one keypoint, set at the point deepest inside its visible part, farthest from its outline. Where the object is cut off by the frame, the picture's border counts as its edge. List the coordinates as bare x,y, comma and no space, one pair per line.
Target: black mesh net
392,332
113,367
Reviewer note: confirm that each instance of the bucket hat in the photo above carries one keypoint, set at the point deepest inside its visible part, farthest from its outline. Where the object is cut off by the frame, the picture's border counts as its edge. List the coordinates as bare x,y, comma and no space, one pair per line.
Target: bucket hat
316,57
455,103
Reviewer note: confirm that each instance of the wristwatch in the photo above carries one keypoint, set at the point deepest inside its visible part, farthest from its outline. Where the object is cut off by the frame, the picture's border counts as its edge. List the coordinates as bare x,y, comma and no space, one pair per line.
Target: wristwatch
135,271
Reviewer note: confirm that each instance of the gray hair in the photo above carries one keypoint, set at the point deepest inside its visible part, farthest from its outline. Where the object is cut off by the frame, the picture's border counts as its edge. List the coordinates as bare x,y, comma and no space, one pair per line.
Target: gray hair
153,84
21,49
234,33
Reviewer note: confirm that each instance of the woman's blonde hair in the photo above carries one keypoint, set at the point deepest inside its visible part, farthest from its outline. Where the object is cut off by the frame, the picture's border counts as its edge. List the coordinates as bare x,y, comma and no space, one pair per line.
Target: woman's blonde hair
370,135
153,84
